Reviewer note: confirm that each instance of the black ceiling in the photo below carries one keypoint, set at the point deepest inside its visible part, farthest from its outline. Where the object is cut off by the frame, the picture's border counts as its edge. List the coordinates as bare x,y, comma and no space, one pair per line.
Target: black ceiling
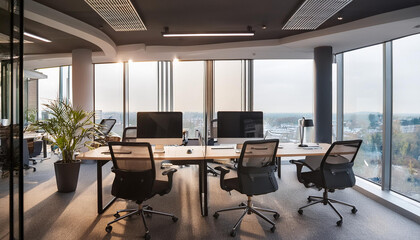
213,16
61,42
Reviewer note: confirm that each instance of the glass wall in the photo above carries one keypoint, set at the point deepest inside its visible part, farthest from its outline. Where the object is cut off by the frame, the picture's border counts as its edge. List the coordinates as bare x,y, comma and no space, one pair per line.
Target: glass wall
109,94
283,90
363,81
228,86
405,176
188,94
142,89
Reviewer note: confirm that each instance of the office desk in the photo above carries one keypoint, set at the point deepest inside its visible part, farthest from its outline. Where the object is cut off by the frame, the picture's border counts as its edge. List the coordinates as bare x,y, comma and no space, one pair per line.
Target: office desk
199,156
285,150
171,153
31,136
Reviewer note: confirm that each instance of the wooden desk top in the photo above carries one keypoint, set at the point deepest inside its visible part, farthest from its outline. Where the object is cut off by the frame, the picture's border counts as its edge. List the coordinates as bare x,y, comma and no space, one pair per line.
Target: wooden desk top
286,150
32,135
200,153
171,153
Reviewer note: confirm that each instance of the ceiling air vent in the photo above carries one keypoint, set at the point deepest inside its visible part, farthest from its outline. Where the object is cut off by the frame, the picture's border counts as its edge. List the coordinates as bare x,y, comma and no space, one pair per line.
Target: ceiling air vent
119,14
312,13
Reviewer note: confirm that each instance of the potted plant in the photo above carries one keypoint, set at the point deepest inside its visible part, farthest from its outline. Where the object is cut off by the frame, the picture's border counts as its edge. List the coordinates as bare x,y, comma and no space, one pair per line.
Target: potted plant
69,129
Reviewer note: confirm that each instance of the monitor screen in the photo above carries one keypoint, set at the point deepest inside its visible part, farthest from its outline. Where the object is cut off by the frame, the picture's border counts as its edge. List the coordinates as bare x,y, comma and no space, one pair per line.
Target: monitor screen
240,125
159,125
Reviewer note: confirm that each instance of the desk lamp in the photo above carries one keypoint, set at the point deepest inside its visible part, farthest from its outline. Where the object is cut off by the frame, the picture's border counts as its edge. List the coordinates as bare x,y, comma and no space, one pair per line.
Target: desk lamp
302,124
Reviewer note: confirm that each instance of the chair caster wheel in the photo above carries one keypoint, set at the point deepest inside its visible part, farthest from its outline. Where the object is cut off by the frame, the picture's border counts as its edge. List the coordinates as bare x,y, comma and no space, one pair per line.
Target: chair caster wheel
309,199
147,236
216,215
233,233
34,169
273,229
117,215
174,219
242,205
354,210
300,211
108,229
339,223
276,216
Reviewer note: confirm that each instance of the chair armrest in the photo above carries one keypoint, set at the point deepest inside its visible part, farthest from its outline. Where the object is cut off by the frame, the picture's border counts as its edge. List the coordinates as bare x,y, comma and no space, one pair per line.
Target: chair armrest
170,172
223,172
299,165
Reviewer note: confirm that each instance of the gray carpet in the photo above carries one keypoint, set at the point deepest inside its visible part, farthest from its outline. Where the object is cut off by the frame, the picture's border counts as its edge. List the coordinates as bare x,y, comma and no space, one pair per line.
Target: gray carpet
52,215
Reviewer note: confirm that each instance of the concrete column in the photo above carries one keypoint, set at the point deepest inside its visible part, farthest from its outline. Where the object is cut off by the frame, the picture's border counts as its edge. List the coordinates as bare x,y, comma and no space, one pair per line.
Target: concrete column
82,79
323,94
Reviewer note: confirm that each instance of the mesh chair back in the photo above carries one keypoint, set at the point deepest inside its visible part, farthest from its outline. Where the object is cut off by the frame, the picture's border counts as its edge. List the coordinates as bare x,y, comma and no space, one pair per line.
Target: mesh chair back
256,167
134,169
130,134
337,164
107,125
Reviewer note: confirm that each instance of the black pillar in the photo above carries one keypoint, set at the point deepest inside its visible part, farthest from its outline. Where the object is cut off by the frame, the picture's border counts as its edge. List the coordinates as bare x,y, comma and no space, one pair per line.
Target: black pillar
323,94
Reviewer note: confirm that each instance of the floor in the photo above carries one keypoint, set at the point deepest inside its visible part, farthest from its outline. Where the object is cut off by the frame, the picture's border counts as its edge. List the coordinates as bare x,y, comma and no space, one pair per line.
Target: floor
53,215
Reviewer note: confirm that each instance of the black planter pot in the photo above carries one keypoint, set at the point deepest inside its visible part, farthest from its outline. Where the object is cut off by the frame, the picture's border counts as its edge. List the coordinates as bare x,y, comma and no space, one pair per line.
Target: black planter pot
66,175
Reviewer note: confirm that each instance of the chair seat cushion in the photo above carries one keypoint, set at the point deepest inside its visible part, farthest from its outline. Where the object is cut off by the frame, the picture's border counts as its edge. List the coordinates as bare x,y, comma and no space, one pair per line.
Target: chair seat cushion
313,177
232,184
161,187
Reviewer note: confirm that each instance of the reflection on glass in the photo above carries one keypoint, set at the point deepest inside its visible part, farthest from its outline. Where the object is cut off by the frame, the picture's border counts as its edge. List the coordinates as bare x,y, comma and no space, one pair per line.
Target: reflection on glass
142,89
109,94
227,86
405,176
363,80
283,90
188,94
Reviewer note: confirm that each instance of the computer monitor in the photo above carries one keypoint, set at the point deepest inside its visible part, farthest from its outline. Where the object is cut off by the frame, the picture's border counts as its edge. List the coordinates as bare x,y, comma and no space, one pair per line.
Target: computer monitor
159,128
238,127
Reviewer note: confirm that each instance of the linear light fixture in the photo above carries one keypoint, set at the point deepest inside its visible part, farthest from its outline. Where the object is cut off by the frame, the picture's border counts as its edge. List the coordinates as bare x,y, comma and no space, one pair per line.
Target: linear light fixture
36,37
119,14
250,33
312,13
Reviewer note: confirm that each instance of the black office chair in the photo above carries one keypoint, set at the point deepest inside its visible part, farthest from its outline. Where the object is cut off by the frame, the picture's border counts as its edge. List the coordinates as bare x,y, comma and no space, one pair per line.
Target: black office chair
107,125
255,177
334,172
25,156
36,151
130,134
135,179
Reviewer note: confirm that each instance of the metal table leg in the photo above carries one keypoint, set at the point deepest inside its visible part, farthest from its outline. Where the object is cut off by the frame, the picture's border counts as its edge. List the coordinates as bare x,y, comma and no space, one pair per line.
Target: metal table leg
202,171
279,167
101,209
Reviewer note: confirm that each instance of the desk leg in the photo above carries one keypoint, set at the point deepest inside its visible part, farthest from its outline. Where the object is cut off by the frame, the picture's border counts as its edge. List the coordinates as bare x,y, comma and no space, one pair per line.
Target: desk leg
101,209
44,148
202,171
279,167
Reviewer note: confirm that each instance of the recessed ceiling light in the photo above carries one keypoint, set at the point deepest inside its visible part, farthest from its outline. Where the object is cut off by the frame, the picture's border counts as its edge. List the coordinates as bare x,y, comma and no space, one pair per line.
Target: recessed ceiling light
339,18
36,37
263,27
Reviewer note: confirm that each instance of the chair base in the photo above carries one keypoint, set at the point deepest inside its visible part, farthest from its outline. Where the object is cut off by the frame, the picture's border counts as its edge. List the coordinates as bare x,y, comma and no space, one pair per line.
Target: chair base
145,210
328,201
249,209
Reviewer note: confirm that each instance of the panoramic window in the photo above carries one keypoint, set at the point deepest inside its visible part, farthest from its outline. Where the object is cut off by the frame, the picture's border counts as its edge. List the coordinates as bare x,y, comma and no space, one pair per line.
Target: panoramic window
109,94
227,86
283,90
363,82
48,89
188,94
405,176
142,89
